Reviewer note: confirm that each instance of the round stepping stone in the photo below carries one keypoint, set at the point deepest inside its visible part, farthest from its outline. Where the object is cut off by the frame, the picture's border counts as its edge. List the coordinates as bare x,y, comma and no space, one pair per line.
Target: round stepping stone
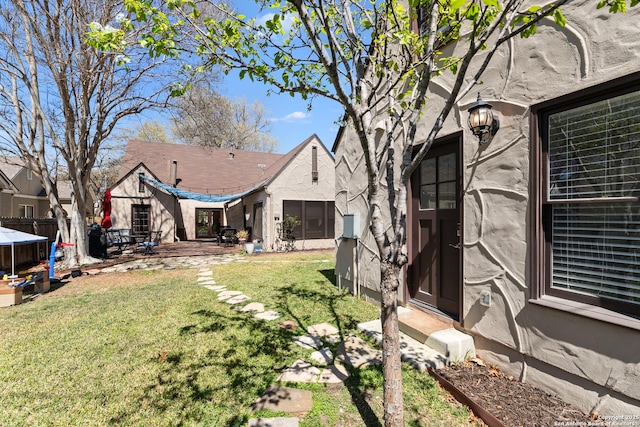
257,307
322,330
289,325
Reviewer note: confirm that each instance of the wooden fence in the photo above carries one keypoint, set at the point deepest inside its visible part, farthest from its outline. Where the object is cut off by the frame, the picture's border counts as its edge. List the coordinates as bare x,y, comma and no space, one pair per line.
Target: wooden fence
32,253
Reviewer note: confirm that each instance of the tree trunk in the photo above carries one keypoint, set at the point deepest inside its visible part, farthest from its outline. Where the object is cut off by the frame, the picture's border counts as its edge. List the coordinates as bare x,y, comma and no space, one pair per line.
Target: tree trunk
391,363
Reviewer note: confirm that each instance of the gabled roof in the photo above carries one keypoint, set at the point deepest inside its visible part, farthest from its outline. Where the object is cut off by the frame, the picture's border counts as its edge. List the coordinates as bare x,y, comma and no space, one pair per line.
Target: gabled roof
11,166
6,183
206,170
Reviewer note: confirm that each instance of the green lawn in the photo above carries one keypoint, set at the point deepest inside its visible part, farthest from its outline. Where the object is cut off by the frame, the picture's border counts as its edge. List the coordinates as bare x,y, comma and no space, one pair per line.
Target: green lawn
154,348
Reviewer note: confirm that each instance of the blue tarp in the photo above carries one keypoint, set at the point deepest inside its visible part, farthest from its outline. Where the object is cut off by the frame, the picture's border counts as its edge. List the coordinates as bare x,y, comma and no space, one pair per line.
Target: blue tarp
184,194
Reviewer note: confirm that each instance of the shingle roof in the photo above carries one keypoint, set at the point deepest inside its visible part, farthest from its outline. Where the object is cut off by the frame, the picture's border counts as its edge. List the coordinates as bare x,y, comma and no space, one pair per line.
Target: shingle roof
202,170
11,165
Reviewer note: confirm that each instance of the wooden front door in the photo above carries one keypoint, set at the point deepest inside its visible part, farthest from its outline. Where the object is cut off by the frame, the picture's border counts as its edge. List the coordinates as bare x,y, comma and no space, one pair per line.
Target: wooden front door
435,273
207,222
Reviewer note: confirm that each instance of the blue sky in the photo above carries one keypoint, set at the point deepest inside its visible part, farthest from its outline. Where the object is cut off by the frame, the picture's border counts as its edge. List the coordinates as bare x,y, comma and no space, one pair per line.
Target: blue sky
291,121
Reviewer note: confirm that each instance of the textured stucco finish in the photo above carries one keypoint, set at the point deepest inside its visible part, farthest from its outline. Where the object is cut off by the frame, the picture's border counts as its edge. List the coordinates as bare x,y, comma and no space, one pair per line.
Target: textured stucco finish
593,364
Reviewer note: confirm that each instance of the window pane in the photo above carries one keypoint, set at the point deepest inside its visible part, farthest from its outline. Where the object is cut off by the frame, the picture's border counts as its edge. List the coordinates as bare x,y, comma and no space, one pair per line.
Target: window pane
447,167
596,250
428,171
447,195
428,196
594,150
314,220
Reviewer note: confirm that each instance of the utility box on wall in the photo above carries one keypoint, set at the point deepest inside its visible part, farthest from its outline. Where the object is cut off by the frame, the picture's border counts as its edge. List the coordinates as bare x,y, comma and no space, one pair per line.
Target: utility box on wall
351,227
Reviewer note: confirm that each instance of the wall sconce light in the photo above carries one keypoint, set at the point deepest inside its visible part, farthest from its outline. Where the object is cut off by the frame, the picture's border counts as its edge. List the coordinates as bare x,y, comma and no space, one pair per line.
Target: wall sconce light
482,122
247,215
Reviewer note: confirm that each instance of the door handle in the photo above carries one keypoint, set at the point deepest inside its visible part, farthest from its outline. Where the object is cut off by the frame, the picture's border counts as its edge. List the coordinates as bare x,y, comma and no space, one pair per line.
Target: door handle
456,246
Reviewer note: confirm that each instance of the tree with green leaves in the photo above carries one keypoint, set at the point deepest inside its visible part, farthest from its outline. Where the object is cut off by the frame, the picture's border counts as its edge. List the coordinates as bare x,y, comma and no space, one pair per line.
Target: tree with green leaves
378,60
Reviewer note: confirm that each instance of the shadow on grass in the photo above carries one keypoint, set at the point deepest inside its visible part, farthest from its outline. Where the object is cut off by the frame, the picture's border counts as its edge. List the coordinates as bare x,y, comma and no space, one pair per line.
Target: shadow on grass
189,385
329,300
242,359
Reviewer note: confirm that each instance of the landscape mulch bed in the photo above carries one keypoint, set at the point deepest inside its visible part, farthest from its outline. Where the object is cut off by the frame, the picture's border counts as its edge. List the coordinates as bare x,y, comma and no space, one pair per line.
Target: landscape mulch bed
510,401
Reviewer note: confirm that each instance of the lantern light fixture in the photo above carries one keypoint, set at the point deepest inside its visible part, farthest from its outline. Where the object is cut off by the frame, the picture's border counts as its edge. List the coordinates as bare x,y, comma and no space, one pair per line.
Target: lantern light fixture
482,122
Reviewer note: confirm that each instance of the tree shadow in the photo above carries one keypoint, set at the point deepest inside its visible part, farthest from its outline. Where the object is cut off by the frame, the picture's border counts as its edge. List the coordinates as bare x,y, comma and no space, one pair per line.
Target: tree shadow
330,298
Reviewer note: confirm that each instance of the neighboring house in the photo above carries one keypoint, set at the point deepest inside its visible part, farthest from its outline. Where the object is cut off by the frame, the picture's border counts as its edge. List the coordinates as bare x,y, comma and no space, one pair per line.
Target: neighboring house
23,196
190,192
531,243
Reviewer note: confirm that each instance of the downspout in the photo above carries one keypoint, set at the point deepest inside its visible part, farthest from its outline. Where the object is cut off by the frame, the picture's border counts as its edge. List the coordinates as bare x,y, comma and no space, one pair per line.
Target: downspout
270,215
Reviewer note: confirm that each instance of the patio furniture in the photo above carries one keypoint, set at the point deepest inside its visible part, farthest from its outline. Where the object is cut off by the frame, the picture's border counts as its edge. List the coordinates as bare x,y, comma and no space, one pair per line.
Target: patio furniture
120,238
151,242
228,237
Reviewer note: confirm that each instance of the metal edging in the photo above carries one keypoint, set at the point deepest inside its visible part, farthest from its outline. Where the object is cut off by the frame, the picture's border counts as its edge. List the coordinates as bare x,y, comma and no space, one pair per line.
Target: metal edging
480,412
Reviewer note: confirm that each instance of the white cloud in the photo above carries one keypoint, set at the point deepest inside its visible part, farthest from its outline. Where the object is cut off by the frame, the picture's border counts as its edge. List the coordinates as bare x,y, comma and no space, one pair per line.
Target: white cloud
293,117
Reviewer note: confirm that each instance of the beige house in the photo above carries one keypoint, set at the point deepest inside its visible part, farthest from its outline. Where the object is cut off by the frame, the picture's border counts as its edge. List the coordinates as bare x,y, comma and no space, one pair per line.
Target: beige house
23,195
531,242
189,192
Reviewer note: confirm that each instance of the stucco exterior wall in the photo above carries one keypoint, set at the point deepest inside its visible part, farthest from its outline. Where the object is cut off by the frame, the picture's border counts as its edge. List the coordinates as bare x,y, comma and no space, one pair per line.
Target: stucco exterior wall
5,203
593,364
294,183
161,210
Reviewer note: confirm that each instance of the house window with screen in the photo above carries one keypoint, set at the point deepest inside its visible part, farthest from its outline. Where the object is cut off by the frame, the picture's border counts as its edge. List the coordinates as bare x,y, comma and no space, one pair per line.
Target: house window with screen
590,201
316,218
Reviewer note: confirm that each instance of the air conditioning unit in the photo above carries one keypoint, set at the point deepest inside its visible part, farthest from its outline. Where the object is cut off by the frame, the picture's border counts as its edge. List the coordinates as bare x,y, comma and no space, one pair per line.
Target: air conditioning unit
351,227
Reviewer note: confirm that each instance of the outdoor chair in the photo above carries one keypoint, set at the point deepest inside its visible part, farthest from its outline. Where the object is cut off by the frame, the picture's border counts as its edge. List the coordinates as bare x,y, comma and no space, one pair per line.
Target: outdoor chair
228,236
151,242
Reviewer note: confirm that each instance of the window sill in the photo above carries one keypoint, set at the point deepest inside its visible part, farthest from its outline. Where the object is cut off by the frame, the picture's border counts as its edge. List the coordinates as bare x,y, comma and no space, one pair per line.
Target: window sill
586,310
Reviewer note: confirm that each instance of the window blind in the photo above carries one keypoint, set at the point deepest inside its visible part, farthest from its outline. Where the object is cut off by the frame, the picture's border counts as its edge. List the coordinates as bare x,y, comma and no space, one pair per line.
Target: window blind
594,160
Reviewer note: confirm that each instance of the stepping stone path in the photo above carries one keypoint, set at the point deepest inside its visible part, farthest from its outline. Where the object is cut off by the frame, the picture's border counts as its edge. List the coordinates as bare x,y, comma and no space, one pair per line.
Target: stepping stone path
353,351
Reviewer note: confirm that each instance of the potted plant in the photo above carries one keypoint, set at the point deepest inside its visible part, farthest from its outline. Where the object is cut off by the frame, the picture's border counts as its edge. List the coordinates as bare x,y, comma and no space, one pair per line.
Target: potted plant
242,236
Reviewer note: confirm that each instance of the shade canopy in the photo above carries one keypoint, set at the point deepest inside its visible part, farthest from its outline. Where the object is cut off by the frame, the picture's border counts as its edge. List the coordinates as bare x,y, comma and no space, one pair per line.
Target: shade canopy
10,237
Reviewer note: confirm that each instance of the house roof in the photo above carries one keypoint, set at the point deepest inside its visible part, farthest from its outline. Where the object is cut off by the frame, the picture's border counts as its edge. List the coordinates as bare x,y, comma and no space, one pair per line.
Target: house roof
11,166
206,170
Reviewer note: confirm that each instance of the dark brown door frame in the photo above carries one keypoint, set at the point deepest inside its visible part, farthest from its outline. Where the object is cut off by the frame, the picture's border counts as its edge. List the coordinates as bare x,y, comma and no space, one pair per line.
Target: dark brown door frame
411,233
